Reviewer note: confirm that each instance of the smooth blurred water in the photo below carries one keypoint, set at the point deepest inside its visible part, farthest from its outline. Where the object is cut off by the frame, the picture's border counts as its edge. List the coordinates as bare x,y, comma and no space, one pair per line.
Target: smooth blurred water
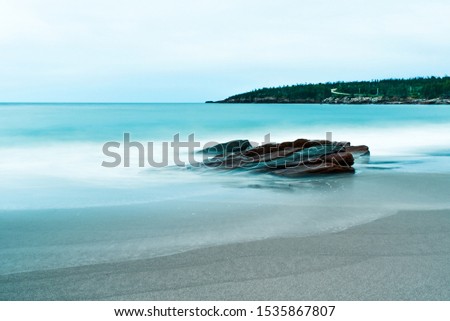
50,154
27,124
59,207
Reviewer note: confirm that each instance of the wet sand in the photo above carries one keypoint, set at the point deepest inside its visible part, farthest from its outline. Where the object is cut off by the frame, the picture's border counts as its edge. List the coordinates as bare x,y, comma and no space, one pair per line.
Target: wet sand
401,257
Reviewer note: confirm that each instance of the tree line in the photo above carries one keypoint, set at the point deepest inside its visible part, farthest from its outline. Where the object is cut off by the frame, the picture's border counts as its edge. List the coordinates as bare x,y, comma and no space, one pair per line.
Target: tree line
414,88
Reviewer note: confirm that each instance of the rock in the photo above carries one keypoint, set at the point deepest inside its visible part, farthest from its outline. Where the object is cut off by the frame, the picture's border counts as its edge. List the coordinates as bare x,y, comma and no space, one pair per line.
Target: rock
260,150
341,158
294,158
319,169
361,154
233,146
358,150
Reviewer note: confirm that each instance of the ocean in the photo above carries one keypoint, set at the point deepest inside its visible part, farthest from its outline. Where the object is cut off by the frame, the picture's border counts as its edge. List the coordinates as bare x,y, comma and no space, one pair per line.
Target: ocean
59,207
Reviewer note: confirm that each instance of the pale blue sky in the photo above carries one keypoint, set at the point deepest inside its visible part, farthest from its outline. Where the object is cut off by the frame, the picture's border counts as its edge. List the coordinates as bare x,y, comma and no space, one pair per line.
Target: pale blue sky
197,50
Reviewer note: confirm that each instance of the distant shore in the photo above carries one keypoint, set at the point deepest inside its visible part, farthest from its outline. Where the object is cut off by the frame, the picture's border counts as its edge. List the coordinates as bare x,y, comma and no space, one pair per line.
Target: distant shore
338,101
413,91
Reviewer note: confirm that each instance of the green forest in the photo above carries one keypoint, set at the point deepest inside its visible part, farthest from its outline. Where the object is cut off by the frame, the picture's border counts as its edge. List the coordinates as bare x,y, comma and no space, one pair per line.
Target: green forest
414,90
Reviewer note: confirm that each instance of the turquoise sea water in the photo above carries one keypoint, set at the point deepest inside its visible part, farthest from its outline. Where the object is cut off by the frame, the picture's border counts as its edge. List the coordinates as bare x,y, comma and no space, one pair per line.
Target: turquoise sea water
59,207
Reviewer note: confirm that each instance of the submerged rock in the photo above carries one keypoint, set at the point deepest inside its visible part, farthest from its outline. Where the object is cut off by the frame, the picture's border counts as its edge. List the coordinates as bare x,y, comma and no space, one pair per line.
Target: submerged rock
291,159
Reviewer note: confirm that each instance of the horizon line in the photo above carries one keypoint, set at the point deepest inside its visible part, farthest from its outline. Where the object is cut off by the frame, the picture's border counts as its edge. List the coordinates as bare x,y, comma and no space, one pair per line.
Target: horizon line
99,102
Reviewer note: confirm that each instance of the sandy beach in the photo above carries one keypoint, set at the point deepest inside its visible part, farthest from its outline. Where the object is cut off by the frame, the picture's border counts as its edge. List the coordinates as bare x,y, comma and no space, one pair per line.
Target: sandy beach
401,257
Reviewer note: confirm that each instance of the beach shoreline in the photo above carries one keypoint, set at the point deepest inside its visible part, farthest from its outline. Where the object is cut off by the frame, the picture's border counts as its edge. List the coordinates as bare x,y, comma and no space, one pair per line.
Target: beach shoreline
399,257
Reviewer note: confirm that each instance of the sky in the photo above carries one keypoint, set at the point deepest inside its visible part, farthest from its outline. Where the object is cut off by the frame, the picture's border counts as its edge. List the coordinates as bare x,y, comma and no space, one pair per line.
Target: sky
197,50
